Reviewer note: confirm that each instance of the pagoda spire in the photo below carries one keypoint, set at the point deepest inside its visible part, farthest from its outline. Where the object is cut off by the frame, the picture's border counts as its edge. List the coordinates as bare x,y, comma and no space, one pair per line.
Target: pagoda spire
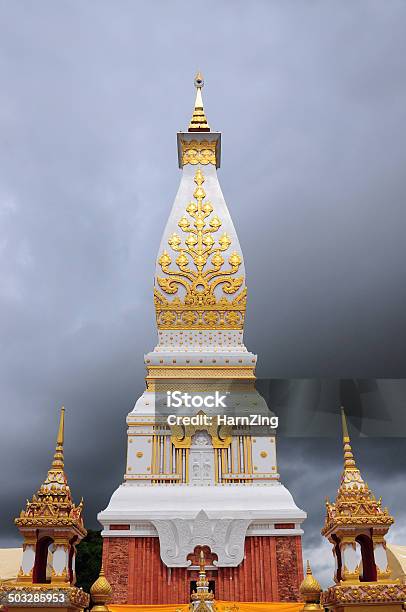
351,473
58,461
198,122
354,497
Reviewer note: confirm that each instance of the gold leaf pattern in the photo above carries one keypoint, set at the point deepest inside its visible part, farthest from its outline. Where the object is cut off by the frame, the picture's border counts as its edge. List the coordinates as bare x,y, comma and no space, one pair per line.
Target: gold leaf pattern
200,269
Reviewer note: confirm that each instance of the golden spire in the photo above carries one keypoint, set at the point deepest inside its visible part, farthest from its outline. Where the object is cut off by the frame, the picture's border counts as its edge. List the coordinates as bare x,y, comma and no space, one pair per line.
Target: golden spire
349,462
100,592
310,591
58,463
199,123
351,479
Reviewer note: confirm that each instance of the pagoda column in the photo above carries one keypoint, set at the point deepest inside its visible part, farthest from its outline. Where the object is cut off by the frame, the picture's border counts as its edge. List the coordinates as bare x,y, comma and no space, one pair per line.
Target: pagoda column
28,558
60,558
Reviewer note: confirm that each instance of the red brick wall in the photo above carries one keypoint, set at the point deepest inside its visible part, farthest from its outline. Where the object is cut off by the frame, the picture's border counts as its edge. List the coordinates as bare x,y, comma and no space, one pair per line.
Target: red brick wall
289,555
271,571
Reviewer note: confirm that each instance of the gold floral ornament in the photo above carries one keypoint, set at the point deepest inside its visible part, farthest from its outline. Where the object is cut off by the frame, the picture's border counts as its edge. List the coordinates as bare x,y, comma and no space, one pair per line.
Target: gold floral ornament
201,268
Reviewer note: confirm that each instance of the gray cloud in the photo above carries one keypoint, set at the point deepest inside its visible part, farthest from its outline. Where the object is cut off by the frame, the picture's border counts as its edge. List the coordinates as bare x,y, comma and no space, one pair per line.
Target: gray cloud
311,100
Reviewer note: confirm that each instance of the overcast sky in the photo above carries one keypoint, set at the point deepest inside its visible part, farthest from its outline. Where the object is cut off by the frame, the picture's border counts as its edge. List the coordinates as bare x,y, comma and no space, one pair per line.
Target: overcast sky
311,99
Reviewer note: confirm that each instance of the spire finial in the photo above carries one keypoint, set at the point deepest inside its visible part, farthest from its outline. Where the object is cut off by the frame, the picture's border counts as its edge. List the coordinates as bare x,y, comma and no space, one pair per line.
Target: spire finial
344,424
202,562
349,462
199,80
58,462
199,123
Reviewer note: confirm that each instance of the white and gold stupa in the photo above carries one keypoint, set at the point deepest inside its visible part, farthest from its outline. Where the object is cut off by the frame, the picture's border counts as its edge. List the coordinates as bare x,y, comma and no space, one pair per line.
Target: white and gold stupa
189,488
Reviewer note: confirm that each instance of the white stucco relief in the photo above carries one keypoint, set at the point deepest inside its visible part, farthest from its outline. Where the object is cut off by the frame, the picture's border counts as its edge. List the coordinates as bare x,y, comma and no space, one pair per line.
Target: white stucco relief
179,537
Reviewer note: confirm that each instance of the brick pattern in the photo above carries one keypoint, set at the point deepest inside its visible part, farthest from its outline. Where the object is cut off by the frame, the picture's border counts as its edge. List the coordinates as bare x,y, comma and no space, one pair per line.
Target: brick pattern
115,562
290,570
271,571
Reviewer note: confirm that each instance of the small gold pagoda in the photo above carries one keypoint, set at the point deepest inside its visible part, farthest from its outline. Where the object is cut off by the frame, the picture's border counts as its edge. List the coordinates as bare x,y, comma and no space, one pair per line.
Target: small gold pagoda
356,525
100,592
51,526
202,598
310,592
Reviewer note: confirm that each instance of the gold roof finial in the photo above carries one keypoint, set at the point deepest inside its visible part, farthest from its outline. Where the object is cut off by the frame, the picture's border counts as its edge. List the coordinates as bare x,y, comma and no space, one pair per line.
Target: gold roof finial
58,462
349,461
199,123
100,592
310,591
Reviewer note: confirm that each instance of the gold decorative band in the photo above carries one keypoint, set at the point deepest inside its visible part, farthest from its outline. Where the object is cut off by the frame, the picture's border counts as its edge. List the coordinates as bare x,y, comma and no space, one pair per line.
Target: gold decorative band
243,385
171,316
198,152
208,372
363,593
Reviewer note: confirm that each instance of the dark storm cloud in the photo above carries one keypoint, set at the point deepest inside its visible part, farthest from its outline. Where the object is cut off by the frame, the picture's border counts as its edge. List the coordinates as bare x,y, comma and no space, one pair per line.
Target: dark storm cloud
311,100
